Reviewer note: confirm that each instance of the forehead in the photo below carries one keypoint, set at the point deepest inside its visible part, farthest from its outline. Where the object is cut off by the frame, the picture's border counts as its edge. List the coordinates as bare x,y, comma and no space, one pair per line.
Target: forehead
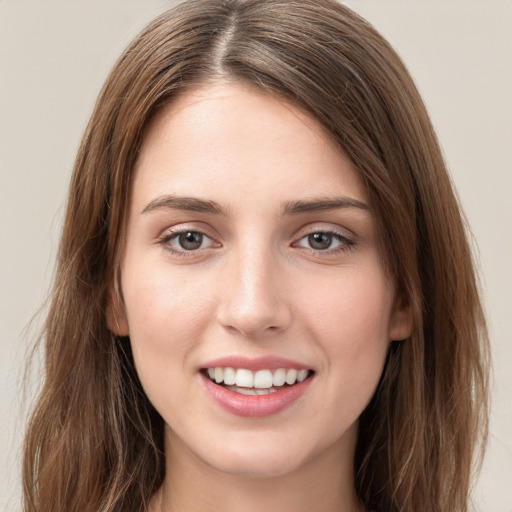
230,140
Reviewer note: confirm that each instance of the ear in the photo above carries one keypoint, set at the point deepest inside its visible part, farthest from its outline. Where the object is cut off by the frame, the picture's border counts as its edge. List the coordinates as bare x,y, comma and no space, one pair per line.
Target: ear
401,323
116,315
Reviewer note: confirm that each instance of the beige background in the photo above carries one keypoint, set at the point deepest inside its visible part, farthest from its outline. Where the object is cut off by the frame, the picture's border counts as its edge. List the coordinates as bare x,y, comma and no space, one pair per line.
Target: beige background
54,56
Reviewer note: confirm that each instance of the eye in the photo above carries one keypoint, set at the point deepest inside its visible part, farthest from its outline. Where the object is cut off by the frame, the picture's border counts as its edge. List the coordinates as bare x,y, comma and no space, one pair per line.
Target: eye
325,241
186,241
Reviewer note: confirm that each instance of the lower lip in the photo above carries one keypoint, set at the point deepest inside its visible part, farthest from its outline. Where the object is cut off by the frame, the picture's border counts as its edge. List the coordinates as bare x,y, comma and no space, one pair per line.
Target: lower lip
255,406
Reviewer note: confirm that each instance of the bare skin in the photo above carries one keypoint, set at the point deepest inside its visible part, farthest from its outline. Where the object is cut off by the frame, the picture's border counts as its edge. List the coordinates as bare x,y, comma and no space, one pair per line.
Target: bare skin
250,235
303,490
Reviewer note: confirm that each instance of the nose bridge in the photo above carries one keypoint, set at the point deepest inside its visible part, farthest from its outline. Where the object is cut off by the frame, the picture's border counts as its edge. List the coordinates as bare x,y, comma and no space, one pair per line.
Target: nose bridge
253,300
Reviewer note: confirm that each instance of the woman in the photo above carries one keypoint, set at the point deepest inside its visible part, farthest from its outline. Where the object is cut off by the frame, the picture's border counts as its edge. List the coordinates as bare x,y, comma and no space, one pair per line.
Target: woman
265,297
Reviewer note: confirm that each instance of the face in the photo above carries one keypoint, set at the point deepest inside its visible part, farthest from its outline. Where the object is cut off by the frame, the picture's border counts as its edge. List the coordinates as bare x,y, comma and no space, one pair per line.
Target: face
253,290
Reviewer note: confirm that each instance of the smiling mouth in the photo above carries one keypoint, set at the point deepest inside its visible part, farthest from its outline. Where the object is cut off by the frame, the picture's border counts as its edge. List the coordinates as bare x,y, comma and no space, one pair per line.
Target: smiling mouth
261,382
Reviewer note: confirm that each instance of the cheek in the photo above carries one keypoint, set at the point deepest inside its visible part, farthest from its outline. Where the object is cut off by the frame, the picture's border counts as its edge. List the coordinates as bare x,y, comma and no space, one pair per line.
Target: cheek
349,318
356,308
159,301
166,315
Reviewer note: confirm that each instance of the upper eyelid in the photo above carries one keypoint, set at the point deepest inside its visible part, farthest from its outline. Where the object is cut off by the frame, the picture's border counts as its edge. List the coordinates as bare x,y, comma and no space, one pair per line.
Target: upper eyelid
173,234
168,238
181,227
305,230
346,237
339,236
299,233
322,227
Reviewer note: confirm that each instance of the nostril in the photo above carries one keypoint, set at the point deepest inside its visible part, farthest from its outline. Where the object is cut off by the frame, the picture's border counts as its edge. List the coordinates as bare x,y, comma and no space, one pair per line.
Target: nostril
258,321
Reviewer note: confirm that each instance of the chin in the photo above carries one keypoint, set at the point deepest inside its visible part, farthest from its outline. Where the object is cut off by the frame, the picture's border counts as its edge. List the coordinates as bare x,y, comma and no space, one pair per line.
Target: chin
271,455
258,467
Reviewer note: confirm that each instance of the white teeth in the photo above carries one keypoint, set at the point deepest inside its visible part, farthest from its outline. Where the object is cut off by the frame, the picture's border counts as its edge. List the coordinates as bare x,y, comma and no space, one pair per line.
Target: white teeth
229,376
244,378
219,375
301,375
263,380
279,377
291,376
251,391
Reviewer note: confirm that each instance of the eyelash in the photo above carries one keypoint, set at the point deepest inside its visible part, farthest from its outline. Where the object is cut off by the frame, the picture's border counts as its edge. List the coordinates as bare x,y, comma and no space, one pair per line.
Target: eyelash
167,239
345,243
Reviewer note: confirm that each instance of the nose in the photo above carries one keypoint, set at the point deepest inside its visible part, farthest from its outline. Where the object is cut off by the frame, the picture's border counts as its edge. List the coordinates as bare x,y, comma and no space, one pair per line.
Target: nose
254,295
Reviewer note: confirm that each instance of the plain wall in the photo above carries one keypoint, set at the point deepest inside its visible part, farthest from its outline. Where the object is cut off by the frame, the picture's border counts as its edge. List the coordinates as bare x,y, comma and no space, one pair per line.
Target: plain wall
54,56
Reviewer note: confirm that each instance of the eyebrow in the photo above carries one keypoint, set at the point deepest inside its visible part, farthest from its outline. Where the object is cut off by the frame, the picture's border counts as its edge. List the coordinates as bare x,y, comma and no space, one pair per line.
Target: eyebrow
195,204
192,204
322,204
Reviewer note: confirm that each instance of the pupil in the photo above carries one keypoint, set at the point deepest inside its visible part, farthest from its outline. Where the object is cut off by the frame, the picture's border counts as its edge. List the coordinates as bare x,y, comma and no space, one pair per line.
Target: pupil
320,241
191,240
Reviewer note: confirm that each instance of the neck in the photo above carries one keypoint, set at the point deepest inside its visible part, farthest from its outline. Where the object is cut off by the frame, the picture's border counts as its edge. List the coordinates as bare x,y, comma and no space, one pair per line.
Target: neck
324,484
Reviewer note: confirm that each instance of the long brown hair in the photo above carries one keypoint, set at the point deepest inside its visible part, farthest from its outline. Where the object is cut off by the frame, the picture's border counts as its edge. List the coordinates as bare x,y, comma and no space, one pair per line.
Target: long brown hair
94,442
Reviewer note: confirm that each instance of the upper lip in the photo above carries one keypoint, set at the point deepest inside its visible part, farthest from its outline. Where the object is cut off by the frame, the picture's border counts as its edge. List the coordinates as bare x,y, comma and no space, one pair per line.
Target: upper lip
255,364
